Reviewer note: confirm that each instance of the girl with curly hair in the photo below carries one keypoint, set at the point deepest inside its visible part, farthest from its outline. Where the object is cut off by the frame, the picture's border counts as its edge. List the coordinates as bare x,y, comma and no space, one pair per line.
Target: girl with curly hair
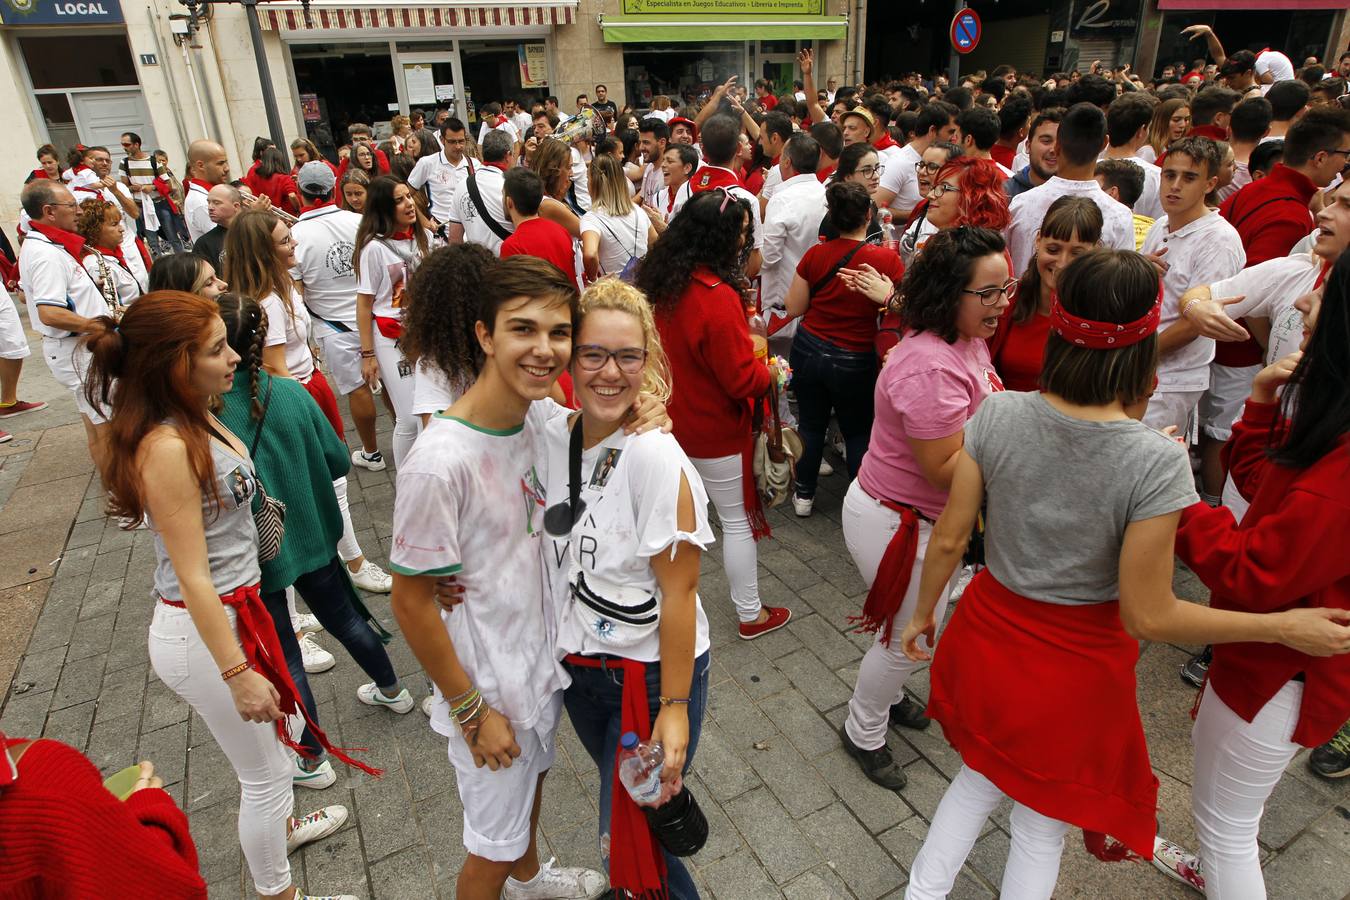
967,191
100,224
694,278
932,383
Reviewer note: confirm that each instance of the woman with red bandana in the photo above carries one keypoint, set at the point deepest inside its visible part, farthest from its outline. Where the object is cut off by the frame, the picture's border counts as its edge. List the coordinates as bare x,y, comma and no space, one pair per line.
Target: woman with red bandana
1066,595
100,224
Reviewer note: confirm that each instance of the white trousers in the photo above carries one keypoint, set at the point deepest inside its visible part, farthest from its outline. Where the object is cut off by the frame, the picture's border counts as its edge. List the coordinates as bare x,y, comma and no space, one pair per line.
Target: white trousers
398,377
723,479
348,547
1033,857
264,767
1237,765
868,528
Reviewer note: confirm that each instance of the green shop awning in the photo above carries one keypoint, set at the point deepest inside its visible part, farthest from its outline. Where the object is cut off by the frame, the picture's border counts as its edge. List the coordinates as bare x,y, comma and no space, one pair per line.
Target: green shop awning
663,29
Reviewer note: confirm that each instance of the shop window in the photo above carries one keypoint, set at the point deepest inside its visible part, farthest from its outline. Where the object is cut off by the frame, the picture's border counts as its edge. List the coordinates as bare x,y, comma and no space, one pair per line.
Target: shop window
342,84
81,60
492,73
60,121
684,73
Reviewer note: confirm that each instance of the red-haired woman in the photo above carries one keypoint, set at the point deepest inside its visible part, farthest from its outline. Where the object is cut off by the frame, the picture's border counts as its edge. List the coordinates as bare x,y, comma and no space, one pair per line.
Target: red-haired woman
209,623
968,191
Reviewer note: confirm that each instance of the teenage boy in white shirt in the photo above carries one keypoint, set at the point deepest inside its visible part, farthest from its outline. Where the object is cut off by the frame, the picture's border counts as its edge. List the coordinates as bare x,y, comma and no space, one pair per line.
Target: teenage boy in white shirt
442,173
1127,122
470,504
1192,245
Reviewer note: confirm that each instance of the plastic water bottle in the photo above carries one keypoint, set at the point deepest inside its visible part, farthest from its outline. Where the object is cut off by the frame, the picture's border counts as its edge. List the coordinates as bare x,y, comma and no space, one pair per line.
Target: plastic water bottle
640,769
759,335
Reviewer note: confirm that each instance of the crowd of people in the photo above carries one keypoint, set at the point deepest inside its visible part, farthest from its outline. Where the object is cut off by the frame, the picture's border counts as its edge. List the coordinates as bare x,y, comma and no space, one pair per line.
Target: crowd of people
1058,332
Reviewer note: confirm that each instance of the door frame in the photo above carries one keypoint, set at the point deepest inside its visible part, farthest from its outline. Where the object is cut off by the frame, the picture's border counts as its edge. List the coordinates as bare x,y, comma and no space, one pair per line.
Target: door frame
451,56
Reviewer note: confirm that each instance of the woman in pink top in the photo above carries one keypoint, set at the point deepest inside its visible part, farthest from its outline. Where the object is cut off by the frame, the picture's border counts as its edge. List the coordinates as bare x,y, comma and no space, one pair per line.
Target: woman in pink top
951,299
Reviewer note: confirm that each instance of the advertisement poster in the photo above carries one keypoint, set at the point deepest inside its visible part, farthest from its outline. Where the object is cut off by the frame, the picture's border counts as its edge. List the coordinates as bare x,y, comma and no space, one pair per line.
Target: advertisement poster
533,65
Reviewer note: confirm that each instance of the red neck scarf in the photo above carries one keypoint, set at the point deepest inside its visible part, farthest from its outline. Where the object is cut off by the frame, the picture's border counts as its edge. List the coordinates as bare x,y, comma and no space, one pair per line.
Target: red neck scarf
823,175
318,206
884,142
1104,335
115,253
1322,275
71,242
711,177
499,164
404,235
201,184
40,173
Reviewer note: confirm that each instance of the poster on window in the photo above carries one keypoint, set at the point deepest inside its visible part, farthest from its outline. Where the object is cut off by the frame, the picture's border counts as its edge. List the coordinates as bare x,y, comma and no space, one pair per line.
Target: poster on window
533,65
421,83
309,106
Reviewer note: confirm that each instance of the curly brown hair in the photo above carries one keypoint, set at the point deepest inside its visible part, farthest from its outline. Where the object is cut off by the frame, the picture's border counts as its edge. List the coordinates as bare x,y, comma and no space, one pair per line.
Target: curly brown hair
440,307
930,293
92,217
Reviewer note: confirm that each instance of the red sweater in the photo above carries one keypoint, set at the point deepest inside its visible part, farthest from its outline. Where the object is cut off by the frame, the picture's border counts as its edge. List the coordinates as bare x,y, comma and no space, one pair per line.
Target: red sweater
546,240
64,835
713,365
1289,551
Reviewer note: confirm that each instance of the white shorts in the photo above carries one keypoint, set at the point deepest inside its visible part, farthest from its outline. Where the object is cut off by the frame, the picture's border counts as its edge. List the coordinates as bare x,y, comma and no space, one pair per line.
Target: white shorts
1221,405
69,363
497,805
13,340
1172,408
431,390
341,356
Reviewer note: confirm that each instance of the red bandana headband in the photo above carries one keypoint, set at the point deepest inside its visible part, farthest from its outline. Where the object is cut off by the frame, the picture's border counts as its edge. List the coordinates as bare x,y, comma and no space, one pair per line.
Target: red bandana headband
1104,335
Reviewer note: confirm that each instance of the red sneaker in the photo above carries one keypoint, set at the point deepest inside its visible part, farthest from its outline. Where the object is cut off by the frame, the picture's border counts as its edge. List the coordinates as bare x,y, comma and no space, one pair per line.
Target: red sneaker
19,407
778,617
5,437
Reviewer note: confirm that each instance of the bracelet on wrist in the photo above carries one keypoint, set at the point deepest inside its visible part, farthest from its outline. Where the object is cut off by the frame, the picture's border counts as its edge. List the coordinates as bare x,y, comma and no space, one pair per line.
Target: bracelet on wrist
674,701
1189,303
367,354
235,670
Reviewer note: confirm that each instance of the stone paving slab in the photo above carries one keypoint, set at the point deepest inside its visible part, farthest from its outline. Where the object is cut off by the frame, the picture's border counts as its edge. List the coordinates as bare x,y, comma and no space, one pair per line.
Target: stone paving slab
790,814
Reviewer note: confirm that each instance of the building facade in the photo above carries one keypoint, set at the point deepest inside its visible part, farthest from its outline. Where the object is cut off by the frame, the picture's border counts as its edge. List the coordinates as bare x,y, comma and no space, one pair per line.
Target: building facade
87,70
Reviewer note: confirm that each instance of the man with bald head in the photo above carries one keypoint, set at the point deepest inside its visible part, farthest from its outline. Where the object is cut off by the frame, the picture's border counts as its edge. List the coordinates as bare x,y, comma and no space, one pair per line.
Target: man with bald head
223,203
208,166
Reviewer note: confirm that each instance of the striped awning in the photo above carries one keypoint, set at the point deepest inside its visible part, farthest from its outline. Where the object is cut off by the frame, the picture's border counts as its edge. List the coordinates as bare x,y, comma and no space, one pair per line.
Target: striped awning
334,17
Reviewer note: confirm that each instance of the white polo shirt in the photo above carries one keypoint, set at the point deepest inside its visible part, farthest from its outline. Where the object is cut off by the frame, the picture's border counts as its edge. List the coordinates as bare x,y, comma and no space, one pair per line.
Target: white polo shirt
791,227
687,190
49,276
1028,212
195,211
1203,252
325,239
1269,290
130,252
901,178
464,212
443,177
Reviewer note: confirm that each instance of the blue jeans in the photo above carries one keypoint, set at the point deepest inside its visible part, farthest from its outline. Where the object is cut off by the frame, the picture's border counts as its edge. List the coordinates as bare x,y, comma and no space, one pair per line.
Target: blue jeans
828,378
172,229
325,591
594,704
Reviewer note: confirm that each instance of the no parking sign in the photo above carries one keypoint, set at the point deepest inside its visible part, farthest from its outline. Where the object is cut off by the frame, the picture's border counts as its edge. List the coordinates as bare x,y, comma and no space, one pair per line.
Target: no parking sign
965,31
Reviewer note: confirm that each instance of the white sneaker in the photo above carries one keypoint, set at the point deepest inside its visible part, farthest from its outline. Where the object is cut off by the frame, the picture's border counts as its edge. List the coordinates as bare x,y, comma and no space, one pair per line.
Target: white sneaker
372,579
315,657
318,778
315,826
802,505
1174,861
558,883
371,461
371,695
305,622
428,705
825,468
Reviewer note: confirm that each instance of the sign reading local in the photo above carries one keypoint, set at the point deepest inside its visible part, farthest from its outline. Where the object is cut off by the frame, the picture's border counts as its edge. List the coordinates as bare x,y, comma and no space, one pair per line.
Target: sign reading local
61,12
965,31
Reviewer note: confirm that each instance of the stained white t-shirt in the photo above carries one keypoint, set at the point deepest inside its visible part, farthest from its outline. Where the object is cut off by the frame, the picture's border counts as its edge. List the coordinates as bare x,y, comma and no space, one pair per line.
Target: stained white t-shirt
470,503
385,266
290,328
621,237
600,573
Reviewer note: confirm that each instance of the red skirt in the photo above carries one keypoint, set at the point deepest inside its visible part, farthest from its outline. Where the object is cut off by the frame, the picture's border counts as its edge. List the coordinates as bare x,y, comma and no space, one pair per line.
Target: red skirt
322,393
1040,699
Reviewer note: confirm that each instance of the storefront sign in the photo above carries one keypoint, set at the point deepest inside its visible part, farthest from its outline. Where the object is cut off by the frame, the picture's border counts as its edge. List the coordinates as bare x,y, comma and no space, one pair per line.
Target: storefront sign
533,65
1106,18
724,7
421,83
61,12
309,106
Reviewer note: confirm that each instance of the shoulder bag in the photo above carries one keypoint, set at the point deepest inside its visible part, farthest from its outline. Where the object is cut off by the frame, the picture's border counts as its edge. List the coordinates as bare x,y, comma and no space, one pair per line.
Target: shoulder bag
477,199
270,514
628,273
777,449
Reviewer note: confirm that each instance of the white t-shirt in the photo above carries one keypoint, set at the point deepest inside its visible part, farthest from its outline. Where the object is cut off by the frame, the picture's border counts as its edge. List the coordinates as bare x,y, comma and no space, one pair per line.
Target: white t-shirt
665,115
505,125
195,211
1149,202
1147,154
463,211
773,177
687,190
443,177
1029,208
1269,290
601,576
290,328
470,503
1203,252
621,237
1242,176
325,239
901,178
522,122
49,276
385,267
653,185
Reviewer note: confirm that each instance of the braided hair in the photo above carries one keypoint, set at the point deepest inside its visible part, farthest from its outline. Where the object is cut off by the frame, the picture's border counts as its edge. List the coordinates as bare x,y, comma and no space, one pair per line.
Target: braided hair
246,333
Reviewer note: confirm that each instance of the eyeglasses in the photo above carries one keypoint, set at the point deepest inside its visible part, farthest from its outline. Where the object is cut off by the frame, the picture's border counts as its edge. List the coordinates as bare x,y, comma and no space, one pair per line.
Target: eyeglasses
71,204
990,296
869,171
593,358
928,167
1345,152
942,189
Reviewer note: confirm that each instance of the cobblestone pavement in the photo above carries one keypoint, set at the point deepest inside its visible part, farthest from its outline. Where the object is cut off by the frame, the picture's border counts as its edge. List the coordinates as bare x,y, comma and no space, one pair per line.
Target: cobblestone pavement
790,814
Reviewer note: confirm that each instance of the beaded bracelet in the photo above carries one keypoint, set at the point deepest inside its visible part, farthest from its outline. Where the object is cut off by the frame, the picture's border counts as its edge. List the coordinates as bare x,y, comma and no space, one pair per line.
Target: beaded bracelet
671,701
231,672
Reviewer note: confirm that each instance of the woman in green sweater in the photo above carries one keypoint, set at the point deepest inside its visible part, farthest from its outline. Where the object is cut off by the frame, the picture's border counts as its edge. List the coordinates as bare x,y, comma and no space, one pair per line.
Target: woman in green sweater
298,456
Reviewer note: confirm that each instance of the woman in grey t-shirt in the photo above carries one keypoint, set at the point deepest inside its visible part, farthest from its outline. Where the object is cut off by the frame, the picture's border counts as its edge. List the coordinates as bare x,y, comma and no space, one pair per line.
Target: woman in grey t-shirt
1034,684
